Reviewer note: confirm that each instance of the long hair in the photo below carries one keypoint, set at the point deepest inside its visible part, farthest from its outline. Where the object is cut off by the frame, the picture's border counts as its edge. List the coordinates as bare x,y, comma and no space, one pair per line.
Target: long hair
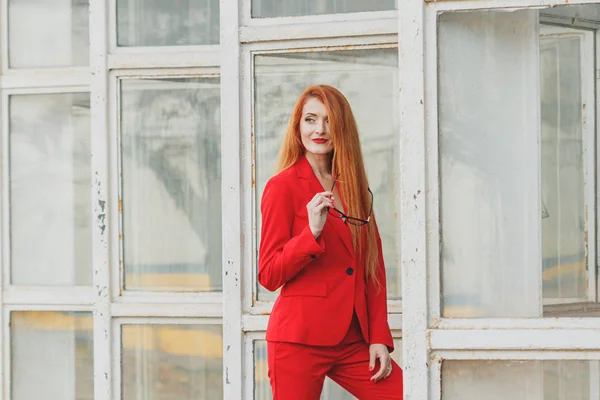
346,160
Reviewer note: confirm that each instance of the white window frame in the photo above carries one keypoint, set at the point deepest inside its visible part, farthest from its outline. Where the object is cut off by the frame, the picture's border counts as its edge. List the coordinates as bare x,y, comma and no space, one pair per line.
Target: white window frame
252,305
588,151
429,339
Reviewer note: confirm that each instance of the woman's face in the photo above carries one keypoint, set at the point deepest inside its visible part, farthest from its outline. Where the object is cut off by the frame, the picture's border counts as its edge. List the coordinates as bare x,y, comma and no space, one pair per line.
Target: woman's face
314,128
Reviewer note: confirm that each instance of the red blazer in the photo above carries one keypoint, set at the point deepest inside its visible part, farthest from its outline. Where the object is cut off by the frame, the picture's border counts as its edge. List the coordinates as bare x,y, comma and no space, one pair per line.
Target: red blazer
321,280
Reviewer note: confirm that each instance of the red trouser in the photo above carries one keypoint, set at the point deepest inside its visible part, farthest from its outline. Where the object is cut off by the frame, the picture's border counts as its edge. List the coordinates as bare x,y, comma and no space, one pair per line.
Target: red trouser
297,372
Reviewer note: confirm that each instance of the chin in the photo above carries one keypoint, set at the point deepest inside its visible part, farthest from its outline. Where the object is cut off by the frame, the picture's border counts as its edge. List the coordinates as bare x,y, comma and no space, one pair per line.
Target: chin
318,150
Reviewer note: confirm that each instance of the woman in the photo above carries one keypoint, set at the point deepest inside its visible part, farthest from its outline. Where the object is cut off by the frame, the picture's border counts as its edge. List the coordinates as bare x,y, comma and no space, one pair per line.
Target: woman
320,245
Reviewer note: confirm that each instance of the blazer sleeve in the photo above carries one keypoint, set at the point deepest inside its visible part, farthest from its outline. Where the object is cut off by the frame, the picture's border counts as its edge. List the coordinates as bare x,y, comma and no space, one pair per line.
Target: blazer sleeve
282,256
379,329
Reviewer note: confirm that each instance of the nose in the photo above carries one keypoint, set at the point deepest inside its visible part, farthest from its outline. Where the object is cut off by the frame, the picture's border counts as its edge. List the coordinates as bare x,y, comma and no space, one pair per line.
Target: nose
320,128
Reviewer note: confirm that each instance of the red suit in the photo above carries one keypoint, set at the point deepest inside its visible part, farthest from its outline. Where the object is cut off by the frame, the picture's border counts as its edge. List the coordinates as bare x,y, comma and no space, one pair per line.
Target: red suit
322,286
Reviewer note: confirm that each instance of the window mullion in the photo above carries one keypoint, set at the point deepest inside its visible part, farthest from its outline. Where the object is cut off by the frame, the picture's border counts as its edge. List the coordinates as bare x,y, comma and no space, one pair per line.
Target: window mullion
100,231
231,201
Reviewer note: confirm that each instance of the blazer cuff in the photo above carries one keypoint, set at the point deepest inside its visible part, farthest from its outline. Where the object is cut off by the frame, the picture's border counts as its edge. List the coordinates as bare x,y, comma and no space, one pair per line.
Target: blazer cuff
311,246
386,339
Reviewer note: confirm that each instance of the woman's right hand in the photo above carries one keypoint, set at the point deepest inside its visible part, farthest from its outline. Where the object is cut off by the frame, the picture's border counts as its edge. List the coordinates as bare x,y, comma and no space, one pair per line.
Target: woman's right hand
317,211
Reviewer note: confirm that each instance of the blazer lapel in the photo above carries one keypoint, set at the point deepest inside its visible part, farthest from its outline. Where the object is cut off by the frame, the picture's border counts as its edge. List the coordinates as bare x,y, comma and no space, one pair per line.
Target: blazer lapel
310,182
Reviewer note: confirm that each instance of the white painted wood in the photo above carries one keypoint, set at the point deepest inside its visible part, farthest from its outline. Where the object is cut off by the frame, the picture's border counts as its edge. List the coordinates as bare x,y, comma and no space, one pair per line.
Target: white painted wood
69,77
508,5
292,30
516,355
596,147
204,56
432,177
112,25
338,43
530,339
516,323
322,19
412,196
116,359
250,301
4,225
6,392
136,297
100,181
4,36
232,196
175,310
595,379
589,157
435,376
74,295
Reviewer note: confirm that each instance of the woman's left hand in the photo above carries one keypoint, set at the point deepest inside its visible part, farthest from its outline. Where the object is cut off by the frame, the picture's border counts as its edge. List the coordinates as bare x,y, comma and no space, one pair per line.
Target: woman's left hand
380,351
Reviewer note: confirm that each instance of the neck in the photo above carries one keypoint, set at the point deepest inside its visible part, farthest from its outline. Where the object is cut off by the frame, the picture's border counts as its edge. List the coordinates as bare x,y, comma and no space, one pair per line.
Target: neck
320,164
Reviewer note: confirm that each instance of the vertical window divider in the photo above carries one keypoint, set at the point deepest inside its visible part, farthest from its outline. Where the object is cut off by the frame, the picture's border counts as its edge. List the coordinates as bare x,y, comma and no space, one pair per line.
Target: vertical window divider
232,197
412,67
100,192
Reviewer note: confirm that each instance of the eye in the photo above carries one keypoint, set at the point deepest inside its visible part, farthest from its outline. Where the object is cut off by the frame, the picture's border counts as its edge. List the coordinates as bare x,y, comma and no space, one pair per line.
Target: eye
309,119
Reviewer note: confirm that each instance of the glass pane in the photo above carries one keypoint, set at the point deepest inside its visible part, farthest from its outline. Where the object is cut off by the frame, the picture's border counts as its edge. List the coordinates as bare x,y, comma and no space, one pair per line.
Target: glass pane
289,8
172,362
52,353
488,129
167,23
563,219
331,390
50,160
520,380
369,80
170,148
48,33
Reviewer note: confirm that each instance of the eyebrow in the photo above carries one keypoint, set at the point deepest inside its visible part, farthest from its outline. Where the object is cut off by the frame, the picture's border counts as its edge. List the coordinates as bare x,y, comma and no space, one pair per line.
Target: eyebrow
313,114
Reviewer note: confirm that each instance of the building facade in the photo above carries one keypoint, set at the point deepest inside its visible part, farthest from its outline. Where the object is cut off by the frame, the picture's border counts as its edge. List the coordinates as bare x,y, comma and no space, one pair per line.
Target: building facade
154,126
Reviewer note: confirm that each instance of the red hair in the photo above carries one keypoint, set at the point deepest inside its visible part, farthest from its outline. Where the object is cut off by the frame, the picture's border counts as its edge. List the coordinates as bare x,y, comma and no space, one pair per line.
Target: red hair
346,160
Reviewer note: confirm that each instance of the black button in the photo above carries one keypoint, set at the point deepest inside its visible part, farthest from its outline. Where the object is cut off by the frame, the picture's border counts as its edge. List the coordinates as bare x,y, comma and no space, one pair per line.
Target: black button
349,271
313,256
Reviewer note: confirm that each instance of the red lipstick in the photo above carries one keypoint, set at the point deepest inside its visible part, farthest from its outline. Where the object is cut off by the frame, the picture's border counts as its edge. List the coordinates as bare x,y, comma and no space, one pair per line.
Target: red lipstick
320,141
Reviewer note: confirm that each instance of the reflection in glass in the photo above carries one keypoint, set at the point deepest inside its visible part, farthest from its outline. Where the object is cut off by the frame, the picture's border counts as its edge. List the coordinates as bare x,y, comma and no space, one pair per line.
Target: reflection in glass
289,8
170,149
520,380
563,228
369,80
48,33
488,124
51,354
331,390
50,196
167,23
172,362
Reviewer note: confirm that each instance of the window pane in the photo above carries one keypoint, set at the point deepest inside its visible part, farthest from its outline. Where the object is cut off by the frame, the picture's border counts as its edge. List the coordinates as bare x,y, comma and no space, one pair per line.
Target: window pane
563,219
289,8
167,23
520,380
170,148
369,80
488,129
331,390
51,353
172,362
50,160
48,33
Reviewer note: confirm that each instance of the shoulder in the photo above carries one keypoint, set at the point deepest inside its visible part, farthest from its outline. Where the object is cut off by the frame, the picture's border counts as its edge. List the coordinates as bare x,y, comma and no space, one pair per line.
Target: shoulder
282,181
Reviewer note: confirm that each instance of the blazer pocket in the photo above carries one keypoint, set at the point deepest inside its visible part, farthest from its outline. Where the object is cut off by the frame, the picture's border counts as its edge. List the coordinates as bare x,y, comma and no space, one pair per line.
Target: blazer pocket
304,288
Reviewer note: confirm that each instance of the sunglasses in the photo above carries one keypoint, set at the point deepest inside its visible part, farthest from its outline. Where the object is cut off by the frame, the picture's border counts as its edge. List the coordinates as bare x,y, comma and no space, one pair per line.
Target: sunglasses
351,220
